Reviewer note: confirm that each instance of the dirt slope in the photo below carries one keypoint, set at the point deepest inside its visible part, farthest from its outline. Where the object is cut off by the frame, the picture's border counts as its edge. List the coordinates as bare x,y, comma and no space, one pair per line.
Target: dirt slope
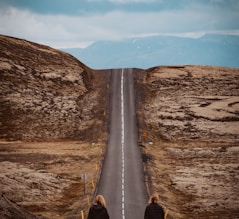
189,129
52,130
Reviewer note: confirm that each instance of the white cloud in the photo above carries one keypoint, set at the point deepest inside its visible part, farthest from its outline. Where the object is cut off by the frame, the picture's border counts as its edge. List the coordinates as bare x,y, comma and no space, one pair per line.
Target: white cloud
52,30
78,31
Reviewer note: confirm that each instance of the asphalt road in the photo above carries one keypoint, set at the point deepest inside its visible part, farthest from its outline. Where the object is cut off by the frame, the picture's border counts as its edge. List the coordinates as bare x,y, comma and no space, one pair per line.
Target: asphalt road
122,180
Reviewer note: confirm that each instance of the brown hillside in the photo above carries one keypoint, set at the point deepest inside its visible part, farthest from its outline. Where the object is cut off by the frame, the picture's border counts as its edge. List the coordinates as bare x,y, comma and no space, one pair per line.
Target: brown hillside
45,93
48,99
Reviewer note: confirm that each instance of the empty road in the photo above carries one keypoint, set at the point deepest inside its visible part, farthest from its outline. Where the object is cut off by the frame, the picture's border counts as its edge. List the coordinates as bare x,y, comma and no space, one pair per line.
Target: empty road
122,180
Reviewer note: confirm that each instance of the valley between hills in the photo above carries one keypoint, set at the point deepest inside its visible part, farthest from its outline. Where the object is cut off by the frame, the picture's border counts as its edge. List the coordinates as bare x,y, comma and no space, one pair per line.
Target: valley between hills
54,128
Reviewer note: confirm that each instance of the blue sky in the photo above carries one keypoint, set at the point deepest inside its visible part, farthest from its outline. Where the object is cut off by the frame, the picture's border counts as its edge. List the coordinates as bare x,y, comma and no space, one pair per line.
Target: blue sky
78,23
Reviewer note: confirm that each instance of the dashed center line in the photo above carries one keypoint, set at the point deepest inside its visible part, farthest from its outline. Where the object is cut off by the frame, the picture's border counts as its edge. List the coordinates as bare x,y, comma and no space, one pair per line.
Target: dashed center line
122,144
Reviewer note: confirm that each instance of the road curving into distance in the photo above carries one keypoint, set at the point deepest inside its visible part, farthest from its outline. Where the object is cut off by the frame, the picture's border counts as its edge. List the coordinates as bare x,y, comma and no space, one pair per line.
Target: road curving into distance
122,179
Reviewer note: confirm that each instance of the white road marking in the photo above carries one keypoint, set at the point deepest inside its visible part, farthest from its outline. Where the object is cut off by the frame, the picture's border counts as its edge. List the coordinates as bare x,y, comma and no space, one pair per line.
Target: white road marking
122,142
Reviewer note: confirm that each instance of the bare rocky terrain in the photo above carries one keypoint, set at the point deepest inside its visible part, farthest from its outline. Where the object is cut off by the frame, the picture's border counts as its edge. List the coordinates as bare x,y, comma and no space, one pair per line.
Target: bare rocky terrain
189,133
53,128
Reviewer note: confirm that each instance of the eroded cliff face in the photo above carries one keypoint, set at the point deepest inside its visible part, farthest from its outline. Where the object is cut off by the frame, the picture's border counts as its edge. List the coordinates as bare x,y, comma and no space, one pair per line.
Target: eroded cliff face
189,125
45,93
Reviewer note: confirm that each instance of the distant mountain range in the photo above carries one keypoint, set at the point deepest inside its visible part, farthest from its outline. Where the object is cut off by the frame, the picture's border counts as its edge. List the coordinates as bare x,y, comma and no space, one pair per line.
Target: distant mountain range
210,49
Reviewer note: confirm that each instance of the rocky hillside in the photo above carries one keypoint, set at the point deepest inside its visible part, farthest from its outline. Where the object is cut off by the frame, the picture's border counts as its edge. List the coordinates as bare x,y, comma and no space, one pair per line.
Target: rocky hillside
189,123
45,93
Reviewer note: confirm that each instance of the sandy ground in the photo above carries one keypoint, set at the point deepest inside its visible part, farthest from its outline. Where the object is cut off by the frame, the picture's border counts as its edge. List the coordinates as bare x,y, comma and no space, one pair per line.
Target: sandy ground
46,178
